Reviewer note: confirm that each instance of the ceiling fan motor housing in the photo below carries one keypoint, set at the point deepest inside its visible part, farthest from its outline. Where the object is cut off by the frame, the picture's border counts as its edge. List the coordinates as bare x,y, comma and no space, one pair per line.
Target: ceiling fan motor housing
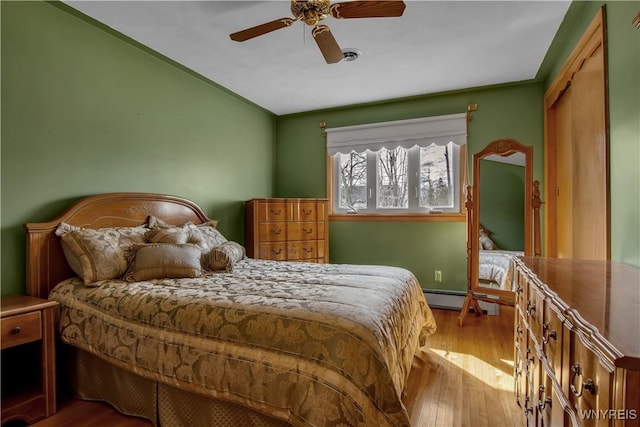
310,11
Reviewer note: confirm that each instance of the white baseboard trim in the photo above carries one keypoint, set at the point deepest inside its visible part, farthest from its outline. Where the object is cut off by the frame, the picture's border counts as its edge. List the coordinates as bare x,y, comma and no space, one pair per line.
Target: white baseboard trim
453,300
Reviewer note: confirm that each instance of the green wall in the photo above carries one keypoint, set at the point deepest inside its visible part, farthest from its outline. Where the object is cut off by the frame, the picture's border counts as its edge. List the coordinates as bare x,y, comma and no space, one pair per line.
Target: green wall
502,203
513,111
623,68
86,111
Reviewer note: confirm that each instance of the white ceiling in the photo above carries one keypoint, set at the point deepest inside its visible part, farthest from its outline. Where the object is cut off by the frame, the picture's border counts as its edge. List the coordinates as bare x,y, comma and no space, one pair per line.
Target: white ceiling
435,46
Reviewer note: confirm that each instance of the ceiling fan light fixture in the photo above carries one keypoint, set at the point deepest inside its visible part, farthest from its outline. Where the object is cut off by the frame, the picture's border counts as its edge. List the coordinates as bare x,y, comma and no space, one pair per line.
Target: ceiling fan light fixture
351,54
312,12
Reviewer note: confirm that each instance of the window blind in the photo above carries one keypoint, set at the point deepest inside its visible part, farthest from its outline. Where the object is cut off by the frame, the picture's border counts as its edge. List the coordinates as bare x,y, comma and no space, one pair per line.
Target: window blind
439,130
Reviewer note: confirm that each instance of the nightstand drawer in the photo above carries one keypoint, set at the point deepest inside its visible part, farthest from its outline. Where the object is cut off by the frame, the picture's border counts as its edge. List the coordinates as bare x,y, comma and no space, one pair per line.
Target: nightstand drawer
21,329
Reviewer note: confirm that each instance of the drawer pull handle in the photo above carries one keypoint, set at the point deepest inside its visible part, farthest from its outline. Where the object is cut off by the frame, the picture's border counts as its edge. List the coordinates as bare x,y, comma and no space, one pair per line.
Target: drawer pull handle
589,385
308,230
531,308
16,330
527,409
278,231
548,335
542,404
307,250
276,251
275,212
307,212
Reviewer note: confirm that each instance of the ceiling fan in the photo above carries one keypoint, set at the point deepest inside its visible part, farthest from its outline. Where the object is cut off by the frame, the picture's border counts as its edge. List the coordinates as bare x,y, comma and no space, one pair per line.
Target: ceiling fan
312,12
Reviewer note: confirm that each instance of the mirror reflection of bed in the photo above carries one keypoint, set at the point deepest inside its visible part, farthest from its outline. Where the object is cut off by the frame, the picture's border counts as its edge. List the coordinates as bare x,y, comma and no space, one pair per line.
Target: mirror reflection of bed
503,222
501,227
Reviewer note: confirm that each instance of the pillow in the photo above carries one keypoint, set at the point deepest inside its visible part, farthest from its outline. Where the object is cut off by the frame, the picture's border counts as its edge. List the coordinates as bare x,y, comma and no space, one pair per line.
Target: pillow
173,235
100,253
155,222
164,260
205,235
485,241
163,233
212,237
224,256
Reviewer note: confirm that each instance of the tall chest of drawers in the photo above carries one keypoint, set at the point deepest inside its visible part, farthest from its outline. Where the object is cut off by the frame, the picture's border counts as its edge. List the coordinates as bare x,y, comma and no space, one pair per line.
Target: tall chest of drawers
287,229
577,342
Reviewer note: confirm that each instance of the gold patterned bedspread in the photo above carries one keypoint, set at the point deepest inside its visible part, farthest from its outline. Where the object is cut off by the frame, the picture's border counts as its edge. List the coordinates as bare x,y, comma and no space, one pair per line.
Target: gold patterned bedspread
314,344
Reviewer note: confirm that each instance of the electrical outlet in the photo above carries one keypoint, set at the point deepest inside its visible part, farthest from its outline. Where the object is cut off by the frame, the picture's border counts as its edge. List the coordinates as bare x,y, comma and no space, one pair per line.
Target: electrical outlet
437,276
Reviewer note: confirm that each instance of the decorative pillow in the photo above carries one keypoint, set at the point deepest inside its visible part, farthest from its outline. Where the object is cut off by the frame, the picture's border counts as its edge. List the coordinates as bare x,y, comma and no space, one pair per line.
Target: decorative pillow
162,233
486,242
205,235
164,260
212,237
100,253
155,222
224,256
175,235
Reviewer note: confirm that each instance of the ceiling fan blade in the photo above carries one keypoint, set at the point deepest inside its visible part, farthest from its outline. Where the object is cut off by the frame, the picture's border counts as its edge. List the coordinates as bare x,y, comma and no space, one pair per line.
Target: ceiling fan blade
327,44
259,30
367,9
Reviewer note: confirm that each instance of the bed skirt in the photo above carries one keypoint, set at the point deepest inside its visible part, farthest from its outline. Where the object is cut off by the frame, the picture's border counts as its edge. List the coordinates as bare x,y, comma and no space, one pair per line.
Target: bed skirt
164,405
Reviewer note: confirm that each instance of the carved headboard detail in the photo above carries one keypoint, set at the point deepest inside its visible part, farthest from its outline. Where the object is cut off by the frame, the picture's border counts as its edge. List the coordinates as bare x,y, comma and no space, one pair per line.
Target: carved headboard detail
46,264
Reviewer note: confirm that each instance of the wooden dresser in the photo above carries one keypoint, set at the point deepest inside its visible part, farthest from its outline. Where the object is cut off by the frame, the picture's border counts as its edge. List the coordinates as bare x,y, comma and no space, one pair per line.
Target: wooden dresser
287,229
577,342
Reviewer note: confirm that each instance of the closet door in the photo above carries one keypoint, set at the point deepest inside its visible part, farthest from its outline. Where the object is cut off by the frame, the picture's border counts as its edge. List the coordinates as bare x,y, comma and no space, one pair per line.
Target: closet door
564,188
577,175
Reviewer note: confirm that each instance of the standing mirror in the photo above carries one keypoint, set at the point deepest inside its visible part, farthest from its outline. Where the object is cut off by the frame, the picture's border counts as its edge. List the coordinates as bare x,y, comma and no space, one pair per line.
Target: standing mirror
502,222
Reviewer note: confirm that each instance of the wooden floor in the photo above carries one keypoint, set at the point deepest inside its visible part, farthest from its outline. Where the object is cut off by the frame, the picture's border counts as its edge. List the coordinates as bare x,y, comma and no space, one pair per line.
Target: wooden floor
464,377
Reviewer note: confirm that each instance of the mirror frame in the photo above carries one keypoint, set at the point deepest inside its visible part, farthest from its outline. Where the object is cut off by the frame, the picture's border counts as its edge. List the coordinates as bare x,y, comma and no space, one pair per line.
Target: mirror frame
502,147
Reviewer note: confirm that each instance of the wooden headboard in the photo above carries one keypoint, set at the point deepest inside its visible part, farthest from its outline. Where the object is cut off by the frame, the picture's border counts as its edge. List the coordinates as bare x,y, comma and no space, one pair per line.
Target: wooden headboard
46,264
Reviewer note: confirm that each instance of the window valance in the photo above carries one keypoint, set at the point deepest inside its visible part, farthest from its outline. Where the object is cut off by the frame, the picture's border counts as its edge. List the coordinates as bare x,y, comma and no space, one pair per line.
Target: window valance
439,130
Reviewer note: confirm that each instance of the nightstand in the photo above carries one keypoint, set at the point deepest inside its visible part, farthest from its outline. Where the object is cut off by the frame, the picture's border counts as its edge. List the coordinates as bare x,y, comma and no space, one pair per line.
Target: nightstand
28,358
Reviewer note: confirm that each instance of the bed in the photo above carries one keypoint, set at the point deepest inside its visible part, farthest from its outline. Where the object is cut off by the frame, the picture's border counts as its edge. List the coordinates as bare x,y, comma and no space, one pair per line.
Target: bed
239,342
496,266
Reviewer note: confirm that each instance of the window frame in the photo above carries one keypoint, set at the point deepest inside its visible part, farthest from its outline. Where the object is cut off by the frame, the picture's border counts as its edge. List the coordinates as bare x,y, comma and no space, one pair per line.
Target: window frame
396,214
422,131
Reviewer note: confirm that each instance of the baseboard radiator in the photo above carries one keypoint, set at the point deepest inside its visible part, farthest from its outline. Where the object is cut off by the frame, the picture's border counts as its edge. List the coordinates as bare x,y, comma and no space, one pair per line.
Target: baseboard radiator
453,300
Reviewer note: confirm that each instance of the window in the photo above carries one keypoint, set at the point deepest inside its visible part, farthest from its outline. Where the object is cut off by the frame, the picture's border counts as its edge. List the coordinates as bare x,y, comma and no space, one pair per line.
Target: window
406,170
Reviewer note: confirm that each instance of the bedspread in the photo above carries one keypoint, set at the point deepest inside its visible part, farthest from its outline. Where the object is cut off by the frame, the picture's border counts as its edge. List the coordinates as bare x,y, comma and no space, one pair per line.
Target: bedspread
314,344
497,266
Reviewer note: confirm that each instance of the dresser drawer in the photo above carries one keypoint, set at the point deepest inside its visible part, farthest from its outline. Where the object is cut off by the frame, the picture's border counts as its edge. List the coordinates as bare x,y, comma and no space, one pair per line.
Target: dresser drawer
273,231
21,329
274,251
308,250
534,312
549,407
552,332
310,211
587,383
521,286
305,230
520,360
272,211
